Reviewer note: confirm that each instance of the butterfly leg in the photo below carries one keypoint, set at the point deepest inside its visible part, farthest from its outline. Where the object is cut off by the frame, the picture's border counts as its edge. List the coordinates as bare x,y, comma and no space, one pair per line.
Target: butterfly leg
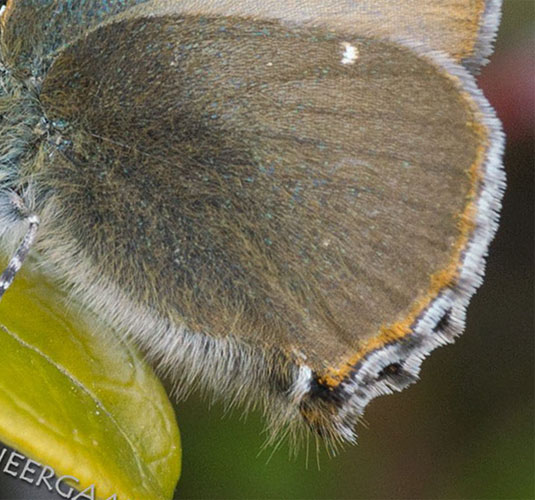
7,277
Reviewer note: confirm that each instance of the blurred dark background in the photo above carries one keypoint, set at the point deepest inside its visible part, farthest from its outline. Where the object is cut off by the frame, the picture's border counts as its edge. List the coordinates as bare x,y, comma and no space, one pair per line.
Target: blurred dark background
467,429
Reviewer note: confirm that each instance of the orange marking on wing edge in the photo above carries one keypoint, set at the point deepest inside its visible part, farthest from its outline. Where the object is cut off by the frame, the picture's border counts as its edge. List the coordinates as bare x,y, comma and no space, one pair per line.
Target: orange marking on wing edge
439,280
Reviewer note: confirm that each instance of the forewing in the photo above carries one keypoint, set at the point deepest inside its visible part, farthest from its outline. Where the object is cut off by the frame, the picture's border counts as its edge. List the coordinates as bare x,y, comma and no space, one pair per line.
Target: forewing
463,29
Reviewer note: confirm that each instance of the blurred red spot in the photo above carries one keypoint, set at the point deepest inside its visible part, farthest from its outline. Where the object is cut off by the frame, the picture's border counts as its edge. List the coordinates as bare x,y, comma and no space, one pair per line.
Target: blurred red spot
509,84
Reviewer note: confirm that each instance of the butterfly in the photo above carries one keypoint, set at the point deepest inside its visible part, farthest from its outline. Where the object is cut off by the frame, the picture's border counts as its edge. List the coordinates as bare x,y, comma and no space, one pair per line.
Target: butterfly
283,203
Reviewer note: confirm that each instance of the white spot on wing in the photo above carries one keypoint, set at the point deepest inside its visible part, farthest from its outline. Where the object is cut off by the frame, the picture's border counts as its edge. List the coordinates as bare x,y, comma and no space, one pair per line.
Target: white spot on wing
351,53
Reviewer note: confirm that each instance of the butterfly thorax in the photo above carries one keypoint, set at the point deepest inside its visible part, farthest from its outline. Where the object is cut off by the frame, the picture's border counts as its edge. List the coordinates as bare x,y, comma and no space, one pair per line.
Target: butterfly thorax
21,132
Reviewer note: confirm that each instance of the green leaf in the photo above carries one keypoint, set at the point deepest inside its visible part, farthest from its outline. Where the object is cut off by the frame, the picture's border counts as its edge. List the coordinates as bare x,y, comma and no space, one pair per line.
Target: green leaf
76,398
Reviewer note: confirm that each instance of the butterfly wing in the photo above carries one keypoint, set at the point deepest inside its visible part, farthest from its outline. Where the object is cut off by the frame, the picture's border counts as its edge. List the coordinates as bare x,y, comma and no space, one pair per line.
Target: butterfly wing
291,189
465,30
267,204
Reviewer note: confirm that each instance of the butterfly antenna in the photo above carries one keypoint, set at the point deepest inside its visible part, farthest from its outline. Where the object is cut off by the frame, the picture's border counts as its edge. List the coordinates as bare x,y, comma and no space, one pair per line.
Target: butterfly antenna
7,277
